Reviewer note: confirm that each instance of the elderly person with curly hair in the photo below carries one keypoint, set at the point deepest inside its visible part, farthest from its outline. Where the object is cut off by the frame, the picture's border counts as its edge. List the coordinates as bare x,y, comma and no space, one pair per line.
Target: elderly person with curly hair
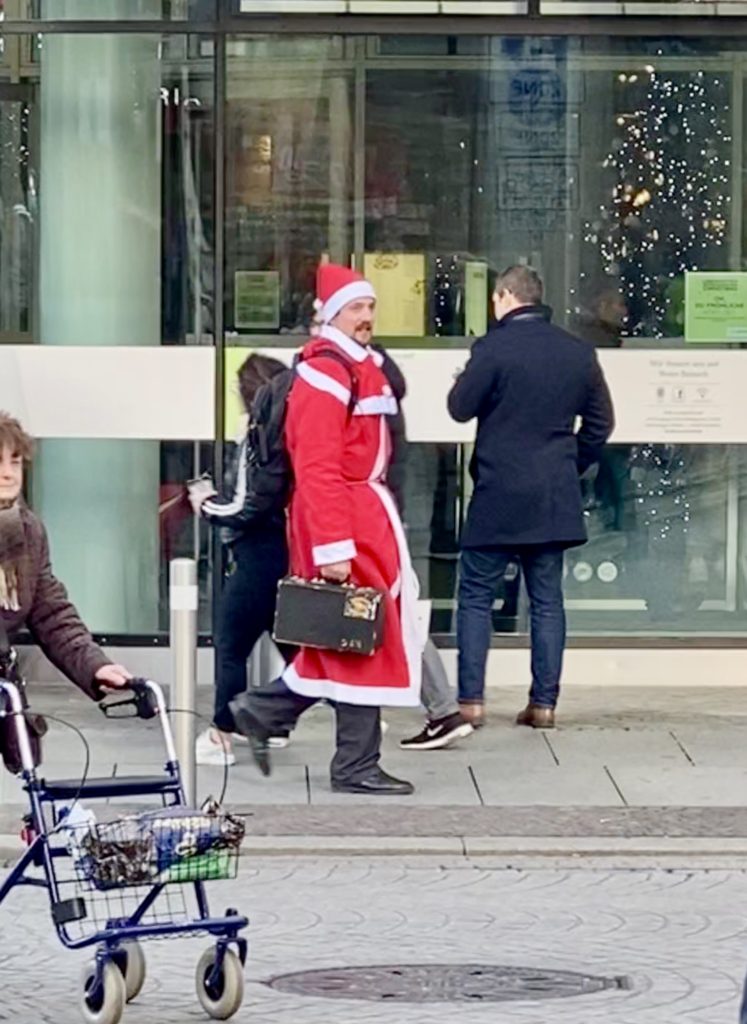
30,594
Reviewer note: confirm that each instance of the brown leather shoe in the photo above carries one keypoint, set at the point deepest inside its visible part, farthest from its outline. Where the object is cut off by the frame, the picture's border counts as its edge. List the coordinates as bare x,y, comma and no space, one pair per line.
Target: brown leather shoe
474,713
537,717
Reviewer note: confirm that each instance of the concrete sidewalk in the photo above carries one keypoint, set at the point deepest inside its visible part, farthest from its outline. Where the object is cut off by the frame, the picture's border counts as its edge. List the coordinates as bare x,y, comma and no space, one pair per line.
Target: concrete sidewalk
625,764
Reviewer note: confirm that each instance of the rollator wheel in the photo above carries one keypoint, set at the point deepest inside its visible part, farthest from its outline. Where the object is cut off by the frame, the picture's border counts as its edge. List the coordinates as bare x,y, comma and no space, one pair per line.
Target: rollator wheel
222,1000
134,971
105,1003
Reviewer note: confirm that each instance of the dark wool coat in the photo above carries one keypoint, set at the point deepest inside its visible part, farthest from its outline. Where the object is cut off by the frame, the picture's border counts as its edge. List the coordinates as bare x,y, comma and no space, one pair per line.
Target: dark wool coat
50,617
527,382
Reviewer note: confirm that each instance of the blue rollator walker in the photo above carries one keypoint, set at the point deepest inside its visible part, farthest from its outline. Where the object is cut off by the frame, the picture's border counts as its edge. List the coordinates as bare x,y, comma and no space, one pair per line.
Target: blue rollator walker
121,873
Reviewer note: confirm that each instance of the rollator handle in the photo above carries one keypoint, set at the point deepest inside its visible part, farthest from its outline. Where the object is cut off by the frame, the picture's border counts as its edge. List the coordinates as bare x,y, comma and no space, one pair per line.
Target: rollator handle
143,700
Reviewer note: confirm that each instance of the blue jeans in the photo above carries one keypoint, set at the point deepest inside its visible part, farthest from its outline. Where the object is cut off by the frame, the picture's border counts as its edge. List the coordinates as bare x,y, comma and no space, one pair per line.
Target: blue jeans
480,570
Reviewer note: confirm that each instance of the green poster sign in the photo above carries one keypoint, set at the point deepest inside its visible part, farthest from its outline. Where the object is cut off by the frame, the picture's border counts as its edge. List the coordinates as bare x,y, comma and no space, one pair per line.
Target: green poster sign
715,307
257,300
475,298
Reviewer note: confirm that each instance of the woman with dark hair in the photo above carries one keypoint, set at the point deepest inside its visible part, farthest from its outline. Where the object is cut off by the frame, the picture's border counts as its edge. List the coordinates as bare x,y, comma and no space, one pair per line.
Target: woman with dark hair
30,595
259,559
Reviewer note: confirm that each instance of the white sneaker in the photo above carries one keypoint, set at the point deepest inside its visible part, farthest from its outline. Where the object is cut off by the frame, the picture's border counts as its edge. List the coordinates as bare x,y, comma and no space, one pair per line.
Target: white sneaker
208,752
278,742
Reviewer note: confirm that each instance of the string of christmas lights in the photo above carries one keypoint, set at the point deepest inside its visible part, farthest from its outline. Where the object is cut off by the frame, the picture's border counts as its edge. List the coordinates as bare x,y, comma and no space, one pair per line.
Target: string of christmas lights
445,295
669,208
659,477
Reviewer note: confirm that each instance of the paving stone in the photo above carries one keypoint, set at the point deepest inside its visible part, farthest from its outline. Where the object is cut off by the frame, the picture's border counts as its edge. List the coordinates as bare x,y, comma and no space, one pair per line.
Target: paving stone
678,936
646,785
553,786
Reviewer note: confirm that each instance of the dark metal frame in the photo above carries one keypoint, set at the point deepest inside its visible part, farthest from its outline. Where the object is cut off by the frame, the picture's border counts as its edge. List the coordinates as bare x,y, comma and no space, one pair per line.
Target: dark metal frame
219,203
425,24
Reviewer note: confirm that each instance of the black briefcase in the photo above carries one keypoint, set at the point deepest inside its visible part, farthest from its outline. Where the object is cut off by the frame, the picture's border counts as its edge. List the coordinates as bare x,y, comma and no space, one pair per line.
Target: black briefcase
332,616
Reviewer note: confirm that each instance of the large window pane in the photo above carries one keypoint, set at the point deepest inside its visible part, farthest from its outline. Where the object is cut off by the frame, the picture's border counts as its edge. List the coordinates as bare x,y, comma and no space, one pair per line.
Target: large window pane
123,253
114,528
107,239
110,10
619,161
665,550
17,192
289,178
611,165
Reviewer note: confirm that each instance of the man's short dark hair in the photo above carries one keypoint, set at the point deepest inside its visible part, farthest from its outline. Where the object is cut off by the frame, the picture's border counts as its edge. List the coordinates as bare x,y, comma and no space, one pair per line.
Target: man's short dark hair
523,282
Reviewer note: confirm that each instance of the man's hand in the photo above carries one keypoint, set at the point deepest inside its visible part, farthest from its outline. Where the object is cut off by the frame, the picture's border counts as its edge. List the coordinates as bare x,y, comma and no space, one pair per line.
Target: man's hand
337,572
113,677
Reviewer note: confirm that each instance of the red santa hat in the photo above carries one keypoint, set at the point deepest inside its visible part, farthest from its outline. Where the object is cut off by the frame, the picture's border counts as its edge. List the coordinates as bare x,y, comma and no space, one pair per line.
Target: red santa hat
336,286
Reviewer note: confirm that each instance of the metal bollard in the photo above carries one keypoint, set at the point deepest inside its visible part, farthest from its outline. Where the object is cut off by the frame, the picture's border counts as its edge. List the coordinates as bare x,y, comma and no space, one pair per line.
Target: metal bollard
183,605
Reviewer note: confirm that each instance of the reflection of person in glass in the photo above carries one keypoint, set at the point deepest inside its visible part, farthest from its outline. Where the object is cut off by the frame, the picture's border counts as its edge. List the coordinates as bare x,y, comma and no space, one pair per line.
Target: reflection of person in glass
30,594
527,382
602,323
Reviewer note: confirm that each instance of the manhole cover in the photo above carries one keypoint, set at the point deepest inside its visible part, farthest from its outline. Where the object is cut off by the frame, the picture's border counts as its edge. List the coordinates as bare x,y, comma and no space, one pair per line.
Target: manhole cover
443,983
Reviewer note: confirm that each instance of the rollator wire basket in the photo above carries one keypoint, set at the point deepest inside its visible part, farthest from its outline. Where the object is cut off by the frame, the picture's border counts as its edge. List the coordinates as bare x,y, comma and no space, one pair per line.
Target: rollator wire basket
113,884
173,845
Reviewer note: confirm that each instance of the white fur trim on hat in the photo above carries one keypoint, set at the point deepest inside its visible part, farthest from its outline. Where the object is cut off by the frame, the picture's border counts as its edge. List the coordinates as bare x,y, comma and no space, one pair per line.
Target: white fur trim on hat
351,292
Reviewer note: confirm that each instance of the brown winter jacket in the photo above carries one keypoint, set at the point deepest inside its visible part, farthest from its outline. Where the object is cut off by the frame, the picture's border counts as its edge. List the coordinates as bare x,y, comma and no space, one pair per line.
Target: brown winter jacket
50,617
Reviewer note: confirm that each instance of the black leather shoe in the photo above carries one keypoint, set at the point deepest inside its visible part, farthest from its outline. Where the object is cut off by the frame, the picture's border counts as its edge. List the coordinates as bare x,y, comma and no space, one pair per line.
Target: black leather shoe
259,738
378,783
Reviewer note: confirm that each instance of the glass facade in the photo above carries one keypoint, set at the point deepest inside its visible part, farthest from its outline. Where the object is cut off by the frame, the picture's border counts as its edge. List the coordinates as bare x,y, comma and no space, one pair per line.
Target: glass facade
107,164
162,187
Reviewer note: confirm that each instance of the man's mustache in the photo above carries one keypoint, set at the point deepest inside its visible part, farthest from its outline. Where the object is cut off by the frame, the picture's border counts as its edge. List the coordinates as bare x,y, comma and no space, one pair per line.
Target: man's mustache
365,325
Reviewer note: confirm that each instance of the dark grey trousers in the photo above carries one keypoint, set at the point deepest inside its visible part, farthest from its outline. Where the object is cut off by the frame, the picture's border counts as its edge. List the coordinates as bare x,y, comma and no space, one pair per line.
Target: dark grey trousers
358,727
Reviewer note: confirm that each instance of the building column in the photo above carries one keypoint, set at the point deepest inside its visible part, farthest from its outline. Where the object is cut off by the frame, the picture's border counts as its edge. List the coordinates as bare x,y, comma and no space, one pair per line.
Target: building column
100,272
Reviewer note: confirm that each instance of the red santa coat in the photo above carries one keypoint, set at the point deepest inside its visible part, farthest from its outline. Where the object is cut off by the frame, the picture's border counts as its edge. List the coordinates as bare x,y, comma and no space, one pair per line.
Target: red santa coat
341,510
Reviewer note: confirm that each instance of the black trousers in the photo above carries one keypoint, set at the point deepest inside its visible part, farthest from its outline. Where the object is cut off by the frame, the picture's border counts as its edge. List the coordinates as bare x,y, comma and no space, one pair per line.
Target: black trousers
358,727
247,610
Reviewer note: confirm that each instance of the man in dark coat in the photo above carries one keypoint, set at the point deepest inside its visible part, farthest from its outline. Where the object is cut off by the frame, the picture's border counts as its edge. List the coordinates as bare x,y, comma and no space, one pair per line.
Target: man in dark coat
528,383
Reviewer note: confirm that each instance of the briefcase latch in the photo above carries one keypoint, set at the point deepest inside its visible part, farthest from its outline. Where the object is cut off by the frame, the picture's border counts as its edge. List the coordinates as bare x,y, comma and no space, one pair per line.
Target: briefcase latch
361,606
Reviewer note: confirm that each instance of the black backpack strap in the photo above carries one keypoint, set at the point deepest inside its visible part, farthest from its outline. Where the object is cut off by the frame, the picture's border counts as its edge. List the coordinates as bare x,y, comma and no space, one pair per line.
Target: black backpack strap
338,357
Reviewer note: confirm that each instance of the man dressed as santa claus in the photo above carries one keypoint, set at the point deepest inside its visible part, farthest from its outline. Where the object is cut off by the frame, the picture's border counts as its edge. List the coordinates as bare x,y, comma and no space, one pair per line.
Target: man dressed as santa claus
344,526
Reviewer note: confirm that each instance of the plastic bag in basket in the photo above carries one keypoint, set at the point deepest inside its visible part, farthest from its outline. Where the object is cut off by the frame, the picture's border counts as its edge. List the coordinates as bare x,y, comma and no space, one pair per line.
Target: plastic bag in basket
177,844
189,843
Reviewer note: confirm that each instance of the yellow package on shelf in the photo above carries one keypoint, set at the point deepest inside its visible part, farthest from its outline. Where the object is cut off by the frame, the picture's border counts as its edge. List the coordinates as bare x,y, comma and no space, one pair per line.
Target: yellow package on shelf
399,280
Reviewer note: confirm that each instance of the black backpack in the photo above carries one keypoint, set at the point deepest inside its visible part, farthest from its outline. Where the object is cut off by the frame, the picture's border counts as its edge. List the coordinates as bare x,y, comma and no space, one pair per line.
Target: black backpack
269,474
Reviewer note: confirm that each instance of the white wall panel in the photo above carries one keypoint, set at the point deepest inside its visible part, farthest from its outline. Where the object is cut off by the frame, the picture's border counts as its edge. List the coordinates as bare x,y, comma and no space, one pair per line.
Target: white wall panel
110,392
688,396
391,7
654,8
693,396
